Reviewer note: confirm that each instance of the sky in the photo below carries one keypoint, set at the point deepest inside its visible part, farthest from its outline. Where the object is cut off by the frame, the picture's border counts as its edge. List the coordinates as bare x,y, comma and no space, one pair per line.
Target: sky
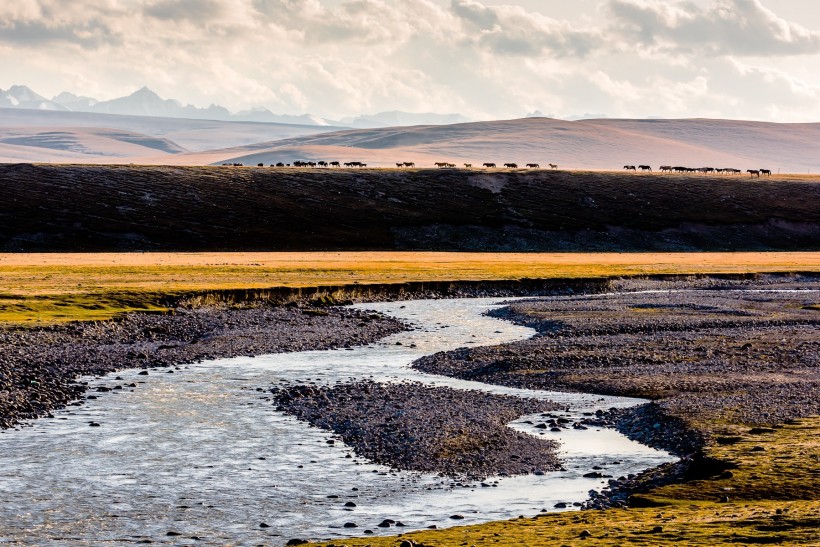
484,59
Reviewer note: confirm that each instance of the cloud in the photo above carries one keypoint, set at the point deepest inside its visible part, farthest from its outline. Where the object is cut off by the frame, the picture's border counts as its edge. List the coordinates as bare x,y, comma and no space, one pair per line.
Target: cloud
726,27
483,59
513,31
37,22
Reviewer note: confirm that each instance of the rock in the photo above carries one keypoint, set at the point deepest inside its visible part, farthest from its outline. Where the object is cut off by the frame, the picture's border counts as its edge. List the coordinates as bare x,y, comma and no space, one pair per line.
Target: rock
93,424
264,525
407,543
560,505
656,530
385,524
296,541
350,525
585,534
350,504
457,517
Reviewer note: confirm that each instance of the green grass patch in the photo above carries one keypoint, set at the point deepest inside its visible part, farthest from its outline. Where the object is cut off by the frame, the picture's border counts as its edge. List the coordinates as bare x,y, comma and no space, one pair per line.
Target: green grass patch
773,496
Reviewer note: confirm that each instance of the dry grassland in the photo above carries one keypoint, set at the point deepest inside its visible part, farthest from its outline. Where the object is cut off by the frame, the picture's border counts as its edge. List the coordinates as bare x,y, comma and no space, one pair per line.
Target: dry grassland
58,286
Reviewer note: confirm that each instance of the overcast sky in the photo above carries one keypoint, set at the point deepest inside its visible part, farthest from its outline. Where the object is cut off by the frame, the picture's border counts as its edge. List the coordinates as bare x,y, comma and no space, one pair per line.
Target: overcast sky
485,59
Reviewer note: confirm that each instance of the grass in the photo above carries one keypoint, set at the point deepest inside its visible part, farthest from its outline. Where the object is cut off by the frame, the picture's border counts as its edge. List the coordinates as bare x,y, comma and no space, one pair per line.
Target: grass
54,287
773,498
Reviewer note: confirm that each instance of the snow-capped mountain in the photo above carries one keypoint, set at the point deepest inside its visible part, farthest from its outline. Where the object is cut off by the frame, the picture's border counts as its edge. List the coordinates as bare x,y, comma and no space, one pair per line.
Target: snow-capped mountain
20,96
145,102
74,102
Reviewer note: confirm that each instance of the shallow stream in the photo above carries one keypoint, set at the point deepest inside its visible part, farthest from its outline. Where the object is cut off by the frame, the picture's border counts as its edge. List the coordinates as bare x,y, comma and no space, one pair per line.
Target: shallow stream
200,455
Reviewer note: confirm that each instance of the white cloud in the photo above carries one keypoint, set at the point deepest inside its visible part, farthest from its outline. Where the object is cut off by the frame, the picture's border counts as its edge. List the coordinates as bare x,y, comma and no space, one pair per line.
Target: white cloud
726,27
348,57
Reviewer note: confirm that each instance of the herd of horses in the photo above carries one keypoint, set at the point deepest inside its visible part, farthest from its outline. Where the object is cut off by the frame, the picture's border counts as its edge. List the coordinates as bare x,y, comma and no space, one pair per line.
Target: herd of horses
399,165
446,165
703,170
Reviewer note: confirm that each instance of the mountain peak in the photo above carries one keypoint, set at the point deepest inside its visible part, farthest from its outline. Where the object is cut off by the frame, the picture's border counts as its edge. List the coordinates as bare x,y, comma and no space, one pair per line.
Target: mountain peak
145,91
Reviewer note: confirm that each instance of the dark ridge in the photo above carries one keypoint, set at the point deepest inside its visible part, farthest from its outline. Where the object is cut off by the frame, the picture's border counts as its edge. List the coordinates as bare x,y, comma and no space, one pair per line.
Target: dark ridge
152,208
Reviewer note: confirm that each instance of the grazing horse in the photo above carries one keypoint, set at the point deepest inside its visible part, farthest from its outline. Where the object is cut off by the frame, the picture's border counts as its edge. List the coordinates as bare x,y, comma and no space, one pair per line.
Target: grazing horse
511,165
753,172
629,168
553,166
409,164
468,165
440,164
489,165
399,165
644,168
766,172
533,166
322,164
334,164
666,168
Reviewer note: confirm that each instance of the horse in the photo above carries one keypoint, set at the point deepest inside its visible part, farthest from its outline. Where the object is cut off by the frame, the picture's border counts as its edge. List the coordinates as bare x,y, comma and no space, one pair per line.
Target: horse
666,168
766,172
322,164
409,164
644,168
468,165
553,166
511,165
753,172
533,166
440,164
489,165
451,165
334,164
629,168
399,165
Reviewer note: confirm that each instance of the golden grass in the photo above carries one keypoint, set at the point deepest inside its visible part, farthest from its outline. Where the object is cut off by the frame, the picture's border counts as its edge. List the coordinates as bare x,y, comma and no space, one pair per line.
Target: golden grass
774,498
66,286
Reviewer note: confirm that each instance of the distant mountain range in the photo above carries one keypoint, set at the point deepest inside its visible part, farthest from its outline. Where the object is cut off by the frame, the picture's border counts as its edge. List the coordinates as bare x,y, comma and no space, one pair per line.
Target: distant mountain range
145,102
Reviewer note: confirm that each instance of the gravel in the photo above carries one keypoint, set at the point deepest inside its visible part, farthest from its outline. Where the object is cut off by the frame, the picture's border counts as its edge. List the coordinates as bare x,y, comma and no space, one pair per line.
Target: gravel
41,368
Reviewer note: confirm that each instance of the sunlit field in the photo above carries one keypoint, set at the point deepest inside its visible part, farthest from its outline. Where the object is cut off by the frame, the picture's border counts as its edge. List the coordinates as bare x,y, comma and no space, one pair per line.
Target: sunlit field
60,287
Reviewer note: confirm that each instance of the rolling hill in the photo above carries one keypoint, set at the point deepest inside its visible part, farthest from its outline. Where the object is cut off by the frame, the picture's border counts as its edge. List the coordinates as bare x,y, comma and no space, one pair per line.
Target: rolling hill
584,144
145,208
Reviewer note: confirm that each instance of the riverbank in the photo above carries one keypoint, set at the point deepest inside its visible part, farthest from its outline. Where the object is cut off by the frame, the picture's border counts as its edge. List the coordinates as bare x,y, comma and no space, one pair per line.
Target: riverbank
735,379
40,368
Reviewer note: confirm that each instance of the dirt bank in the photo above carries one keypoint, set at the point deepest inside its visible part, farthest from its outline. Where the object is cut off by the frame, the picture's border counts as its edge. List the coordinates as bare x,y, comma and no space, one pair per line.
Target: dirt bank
154,208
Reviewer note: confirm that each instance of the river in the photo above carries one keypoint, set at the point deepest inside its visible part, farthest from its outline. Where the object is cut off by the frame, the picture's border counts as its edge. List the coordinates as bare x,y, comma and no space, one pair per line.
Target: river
200,455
